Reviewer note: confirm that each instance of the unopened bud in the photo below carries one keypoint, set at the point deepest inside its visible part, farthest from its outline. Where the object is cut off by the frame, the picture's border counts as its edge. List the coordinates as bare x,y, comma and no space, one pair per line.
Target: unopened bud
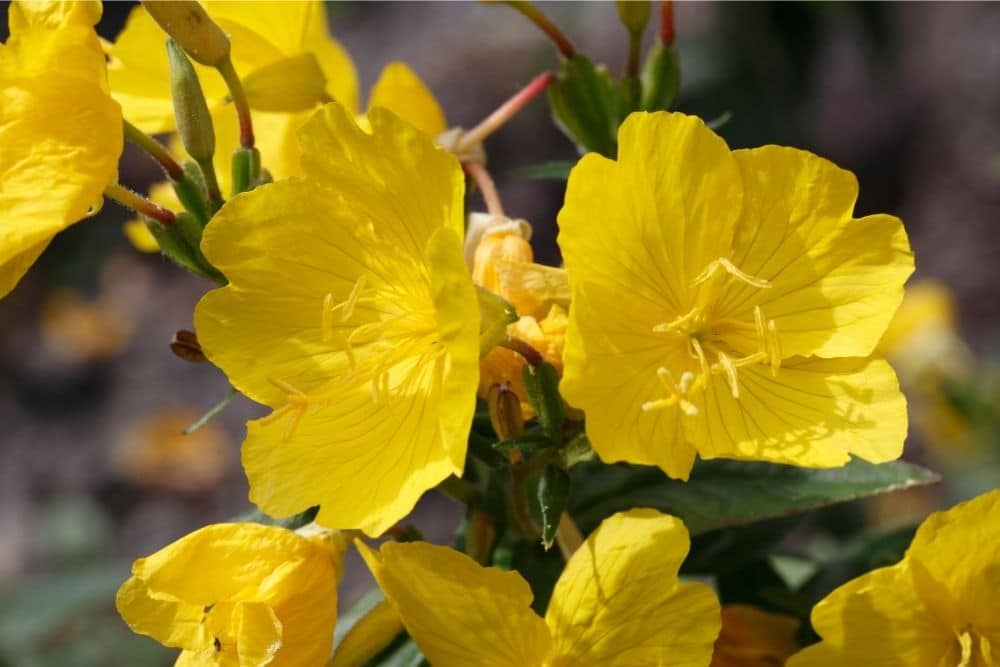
185,345
194,123
634,14
505,412
487,224
661,77
192,28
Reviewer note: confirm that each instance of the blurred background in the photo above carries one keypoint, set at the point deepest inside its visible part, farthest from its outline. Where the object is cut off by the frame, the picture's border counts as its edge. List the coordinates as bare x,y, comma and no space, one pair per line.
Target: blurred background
94,472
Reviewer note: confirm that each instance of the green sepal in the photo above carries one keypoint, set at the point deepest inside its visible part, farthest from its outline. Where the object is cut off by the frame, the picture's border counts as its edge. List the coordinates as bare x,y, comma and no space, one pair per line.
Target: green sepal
553,492
175,248
191,192
526,444
542,385
661,77
586,103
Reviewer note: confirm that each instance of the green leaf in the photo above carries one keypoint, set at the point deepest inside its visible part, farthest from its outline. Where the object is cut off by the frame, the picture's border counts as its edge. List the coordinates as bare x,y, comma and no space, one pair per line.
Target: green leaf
544,171
724,493
553,490
542,385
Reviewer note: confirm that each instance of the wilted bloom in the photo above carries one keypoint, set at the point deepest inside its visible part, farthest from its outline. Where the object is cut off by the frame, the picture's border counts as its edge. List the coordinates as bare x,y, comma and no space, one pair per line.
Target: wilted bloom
502,261
349,311
239,594
938,606
60,131
752,637
726,303
618,603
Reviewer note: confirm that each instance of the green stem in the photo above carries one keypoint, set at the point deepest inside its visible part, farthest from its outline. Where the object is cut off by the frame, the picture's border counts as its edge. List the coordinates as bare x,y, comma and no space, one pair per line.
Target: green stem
240,101
545,24
139,204
211,184
155,149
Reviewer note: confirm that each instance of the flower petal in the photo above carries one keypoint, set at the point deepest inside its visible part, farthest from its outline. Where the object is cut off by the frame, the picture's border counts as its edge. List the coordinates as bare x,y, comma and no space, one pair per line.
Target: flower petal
877,620
458,612
402,92
168,621
814,413
835,280
258,634
619,603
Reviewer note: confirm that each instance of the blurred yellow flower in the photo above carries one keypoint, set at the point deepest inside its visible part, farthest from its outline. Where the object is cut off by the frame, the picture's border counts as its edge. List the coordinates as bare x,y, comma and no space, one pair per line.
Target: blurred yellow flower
75,329
618,603
726,303
751,637
239,594
155,452
350,311
938,606
60,131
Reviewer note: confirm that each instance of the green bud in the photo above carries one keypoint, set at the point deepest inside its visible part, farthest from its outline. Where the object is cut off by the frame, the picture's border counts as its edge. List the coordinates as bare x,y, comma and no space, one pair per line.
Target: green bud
661,77
246,169
187,23
194,123
634,14
586,105
505,412
553,492
177,250
542,384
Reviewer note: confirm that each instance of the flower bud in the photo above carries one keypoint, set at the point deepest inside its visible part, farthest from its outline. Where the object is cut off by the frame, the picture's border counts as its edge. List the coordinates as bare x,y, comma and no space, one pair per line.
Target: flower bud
187,23
194,123
185,345
505,412
661,77
634,14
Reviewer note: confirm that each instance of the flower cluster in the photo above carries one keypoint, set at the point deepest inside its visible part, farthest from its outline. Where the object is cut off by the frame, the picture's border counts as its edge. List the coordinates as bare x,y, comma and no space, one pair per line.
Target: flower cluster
714,304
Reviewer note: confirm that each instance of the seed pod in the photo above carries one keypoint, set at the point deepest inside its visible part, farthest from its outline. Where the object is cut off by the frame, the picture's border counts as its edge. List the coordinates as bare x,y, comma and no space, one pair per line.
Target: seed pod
194,123
193,29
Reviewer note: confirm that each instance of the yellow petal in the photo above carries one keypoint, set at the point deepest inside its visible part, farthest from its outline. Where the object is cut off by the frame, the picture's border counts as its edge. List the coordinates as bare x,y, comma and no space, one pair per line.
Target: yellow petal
372,633
878,620
60,133
140,237
619,603
752,637
814,413
401,91
960,549
171,622
295,83
258,637
458,612
610,372
835,280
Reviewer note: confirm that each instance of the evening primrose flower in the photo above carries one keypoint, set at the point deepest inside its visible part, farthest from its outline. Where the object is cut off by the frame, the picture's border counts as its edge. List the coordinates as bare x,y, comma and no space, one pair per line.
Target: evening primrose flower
239,594
618,603
938,606
727,303
60,131
350,312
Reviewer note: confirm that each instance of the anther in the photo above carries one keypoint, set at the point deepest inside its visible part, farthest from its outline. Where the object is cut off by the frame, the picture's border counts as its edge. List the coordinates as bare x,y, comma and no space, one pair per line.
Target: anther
328,318
731,269
729,369
774,347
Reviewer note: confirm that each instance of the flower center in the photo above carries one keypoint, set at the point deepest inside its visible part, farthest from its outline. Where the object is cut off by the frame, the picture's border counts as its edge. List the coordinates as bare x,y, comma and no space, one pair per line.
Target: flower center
389,337
708,340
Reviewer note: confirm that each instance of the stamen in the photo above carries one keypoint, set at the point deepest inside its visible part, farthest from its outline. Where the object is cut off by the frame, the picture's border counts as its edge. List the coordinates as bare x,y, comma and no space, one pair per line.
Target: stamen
774,347
352,299
328,318
700,354
731,269
730,370
679,323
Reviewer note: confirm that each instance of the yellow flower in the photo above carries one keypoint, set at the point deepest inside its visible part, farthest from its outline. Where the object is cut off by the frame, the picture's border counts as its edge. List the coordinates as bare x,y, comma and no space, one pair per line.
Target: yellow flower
60,131
278,49
349,311
726,303
938,606
502,261
618,603
239,594
751,637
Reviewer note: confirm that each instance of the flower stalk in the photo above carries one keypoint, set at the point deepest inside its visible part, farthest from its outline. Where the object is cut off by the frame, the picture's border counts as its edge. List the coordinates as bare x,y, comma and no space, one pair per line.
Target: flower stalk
156,150
545,24
139,204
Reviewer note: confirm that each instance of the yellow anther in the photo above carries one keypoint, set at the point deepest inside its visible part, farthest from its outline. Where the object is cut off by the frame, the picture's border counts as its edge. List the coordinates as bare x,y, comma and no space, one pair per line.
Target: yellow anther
287,388
699,353
758,319
731,269
352,299
774,347
678,324
729,369
677,393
